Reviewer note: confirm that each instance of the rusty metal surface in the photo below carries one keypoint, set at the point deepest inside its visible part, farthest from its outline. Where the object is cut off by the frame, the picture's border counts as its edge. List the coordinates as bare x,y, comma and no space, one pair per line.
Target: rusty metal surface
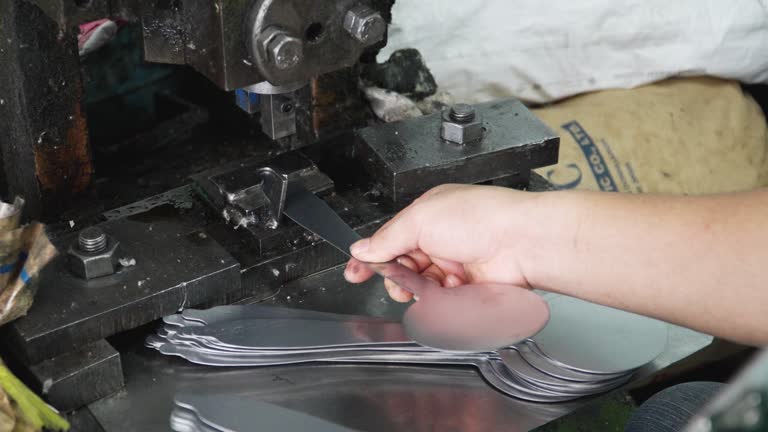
335,104
44,139
163,37
214,37
175,265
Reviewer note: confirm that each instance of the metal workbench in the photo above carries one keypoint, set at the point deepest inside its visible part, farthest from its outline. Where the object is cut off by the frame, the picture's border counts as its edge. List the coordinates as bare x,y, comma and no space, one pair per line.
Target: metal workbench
363,397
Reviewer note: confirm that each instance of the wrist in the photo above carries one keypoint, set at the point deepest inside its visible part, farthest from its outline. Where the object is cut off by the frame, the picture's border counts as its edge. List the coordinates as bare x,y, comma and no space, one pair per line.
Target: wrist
548,238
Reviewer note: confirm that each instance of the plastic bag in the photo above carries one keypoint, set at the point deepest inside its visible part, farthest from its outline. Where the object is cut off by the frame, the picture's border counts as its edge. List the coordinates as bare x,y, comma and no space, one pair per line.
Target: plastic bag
541,51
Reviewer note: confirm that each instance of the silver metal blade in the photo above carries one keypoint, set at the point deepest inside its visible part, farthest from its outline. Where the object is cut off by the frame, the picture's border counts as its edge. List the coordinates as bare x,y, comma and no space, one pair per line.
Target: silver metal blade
312,213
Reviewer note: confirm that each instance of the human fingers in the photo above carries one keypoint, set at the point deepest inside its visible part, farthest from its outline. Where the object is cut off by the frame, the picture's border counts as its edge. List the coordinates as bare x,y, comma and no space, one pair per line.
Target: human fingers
400,235
356,272
450,267
395,292
453,281
435,273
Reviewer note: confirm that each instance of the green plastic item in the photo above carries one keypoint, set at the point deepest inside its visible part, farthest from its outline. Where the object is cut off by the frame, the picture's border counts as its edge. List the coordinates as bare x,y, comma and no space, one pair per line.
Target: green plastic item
34,409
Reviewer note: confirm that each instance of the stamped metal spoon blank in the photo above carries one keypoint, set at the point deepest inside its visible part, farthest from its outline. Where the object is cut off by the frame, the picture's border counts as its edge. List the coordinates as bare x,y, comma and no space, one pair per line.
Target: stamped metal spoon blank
256,311
478,317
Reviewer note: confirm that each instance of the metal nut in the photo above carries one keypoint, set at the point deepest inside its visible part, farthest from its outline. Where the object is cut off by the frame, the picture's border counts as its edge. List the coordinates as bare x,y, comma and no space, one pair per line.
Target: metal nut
282,50
462,125
365,24
91,265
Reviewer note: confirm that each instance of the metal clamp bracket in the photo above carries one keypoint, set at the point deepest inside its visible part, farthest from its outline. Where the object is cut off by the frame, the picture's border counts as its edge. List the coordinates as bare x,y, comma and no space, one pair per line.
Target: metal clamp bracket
253,195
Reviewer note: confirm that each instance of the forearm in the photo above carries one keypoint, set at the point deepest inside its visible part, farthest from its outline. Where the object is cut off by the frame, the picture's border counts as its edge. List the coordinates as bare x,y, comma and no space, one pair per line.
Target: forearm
699,262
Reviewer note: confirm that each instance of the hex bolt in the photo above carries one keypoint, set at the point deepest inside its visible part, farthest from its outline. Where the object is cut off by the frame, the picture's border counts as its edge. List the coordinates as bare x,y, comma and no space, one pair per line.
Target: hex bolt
92,240
365,24
94,254
462,113
284,50
461,124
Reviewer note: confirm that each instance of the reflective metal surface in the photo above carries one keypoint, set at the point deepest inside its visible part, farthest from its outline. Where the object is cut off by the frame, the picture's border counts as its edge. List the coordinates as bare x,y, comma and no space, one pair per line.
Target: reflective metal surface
273,333
224,313
617,341
362,397
269,340
524,370
278,336
312,213
540,362
477,317
223,412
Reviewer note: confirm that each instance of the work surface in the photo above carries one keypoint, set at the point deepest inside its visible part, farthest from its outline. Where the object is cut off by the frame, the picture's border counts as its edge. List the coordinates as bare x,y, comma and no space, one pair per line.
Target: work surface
364,397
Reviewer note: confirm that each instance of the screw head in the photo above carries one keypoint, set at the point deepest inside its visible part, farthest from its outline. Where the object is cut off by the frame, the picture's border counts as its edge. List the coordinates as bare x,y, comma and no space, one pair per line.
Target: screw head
284,50
365,24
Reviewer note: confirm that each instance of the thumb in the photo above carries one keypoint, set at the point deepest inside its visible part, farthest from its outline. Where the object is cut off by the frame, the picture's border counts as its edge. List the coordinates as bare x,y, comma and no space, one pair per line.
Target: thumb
397,238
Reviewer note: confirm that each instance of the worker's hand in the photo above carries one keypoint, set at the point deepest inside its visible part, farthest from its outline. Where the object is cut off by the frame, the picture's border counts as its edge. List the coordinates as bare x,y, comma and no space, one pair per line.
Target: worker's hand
455,235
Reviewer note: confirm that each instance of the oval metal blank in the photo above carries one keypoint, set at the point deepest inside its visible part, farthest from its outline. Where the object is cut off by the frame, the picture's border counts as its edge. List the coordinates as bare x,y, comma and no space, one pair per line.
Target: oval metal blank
596,339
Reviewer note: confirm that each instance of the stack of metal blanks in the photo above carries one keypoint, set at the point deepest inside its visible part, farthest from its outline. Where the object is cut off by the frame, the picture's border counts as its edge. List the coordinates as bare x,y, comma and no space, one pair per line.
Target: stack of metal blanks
585,349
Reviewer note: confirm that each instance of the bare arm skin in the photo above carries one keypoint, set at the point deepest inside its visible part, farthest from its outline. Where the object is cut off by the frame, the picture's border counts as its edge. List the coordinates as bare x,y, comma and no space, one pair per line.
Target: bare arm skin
701,262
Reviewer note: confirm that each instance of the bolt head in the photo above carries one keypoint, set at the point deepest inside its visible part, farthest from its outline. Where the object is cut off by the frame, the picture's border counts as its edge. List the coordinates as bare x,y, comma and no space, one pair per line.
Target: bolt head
93,265
365,24
285,51
461,132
